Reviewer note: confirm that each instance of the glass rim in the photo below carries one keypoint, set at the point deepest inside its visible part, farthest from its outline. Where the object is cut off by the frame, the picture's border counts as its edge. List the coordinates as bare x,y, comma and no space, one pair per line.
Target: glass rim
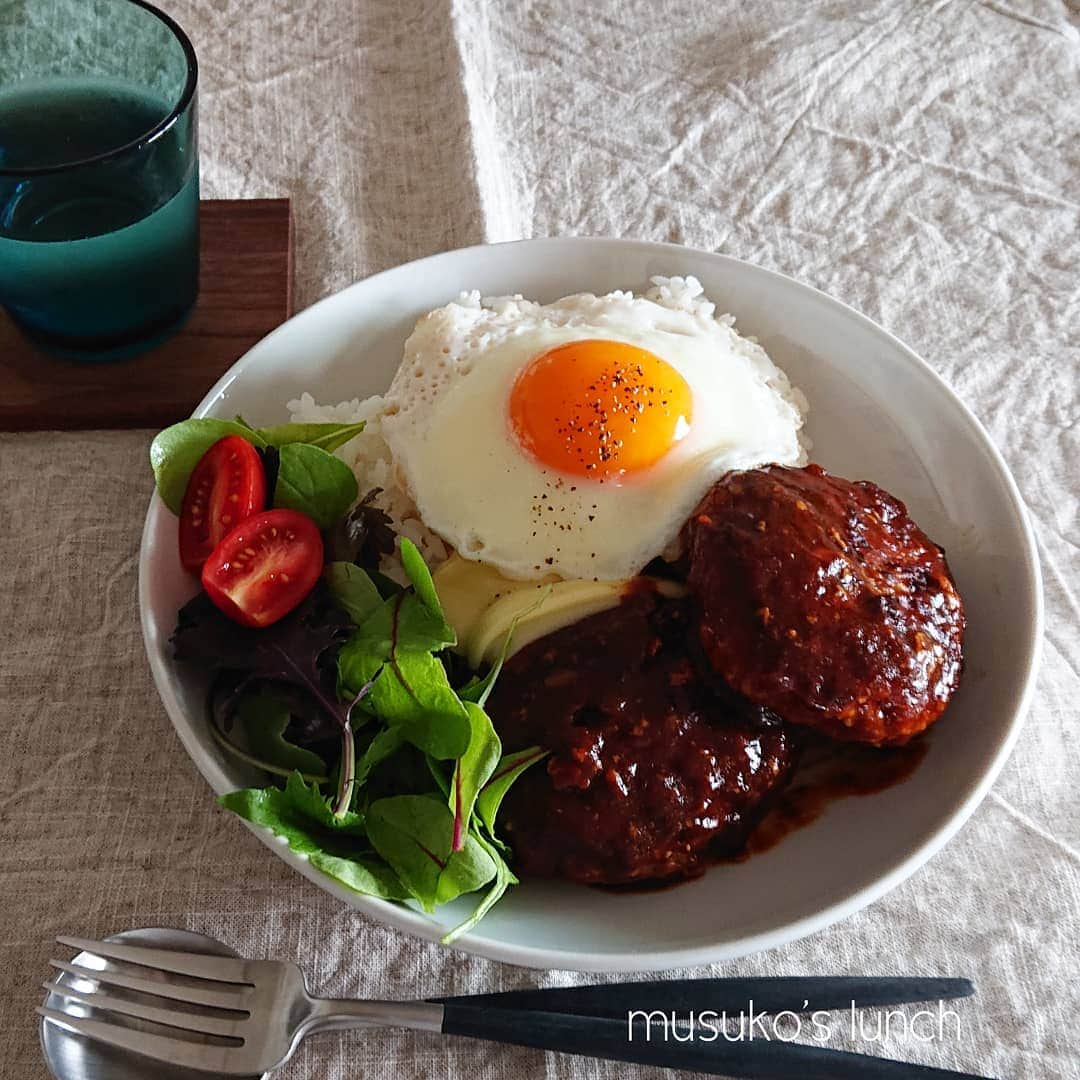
149,136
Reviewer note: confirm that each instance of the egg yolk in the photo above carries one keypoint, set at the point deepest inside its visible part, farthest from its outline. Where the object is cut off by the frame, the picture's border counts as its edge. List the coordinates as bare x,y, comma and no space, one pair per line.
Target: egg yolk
599,408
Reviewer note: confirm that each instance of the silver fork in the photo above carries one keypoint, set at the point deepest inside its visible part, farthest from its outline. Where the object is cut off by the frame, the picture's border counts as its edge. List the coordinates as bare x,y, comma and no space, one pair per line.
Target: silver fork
237,1017
229,1016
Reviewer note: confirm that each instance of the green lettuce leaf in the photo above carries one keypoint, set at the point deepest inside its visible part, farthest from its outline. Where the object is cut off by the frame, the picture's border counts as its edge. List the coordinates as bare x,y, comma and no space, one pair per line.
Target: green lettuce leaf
176,451
472,770
264,716
400,624
353,589
370,876
315,483
325,436
504,878
393,650
386,743
413,833
336,846
413,694
501,780
418,573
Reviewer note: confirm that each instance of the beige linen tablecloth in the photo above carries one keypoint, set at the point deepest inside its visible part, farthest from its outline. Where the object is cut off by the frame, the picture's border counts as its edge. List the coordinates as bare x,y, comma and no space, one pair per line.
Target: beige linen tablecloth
919,160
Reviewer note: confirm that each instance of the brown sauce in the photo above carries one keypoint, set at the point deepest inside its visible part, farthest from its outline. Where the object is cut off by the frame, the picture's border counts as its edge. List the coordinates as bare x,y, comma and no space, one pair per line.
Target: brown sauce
651,772
827,773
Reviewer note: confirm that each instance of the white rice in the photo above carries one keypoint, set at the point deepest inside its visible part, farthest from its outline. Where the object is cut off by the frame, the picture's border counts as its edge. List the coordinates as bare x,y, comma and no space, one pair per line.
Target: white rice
371,460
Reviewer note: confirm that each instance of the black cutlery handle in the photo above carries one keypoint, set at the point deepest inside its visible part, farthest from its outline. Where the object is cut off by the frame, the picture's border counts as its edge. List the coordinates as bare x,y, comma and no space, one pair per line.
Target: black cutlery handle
681,996
610,1039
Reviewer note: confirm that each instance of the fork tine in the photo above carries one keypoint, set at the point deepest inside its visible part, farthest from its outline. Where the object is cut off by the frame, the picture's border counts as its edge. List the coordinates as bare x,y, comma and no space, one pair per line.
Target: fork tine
174,1018
216,999
159,1047
216,968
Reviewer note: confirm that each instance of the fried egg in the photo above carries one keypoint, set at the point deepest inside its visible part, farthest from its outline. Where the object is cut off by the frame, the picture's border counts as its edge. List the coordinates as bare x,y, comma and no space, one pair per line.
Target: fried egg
574,438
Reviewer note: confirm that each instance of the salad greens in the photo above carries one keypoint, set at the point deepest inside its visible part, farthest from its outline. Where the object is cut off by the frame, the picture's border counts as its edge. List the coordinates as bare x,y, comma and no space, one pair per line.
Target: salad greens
472,771
176,451
385,775
299,815
328,437
509,768
413,834
353,589
394,777
313,481
364,535
265,716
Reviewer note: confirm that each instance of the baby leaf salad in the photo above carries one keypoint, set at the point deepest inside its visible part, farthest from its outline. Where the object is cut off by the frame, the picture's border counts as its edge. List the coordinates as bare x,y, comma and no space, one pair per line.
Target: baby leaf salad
334,680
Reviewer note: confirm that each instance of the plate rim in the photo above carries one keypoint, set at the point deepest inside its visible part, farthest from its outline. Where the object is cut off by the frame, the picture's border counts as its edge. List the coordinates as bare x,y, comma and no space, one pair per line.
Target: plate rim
417,924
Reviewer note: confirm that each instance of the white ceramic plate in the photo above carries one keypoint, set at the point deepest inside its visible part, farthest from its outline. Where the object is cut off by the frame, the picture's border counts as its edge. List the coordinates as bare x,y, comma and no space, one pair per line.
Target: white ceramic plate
877,412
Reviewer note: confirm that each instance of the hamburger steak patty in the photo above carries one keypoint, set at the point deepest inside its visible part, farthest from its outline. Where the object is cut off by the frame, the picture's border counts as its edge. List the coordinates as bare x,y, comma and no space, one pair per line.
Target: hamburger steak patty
821,599
651,774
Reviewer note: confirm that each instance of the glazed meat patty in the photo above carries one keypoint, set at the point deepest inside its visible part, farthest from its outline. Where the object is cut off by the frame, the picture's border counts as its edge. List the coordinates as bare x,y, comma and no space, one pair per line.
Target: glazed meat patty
651,773
822,600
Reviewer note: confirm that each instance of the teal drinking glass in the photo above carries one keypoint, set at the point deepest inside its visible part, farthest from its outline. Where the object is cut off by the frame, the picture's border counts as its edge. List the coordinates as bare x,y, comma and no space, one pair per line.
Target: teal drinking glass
99,174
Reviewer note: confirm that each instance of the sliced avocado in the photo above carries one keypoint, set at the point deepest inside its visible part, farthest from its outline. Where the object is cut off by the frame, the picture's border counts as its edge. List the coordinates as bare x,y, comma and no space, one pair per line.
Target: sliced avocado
481,605
465,589
565,602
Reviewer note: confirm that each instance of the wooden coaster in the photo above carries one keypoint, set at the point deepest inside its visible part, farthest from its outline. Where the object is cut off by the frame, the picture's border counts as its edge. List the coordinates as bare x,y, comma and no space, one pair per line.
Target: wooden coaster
245,291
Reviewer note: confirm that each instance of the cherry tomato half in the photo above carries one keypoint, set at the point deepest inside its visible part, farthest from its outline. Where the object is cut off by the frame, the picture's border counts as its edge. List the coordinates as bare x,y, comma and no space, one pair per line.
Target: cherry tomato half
227,486
264,567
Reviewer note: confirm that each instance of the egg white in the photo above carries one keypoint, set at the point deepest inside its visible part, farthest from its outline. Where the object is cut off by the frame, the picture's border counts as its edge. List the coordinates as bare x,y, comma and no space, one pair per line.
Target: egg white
446,421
